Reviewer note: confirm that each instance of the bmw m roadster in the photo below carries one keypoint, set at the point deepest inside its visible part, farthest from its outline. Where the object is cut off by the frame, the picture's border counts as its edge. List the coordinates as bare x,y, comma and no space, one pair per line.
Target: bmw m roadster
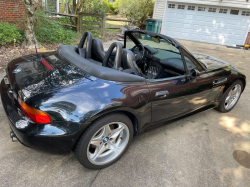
93,102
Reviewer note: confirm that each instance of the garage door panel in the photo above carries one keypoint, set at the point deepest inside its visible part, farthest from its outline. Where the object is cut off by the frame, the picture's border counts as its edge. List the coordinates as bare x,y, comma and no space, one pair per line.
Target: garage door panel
209,19
187,26
179,16
187,21
178,25
199,18
189,17
170,15
228,31
211,27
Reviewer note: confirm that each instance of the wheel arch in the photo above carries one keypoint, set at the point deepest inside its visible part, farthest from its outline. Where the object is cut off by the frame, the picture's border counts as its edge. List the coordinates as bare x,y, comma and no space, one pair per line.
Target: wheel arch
243,80
130,115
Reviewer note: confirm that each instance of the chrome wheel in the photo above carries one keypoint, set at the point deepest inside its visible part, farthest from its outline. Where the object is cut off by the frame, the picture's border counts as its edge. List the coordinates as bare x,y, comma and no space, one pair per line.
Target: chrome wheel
108,143
232,97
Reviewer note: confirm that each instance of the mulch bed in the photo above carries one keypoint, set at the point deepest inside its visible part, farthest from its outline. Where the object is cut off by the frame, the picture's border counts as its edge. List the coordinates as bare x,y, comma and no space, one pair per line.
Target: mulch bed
8,53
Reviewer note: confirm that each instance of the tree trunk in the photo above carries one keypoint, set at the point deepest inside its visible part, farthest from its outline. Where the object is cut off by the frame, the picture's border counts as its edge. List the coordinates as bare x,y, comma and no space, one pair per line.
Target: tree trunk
30,38
79,6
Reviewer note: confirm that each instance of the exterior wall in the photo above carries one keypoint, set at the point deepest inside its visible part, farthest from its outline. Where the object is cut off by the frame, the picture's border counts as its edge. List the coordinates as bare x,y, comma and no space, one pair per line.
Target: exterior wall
12,11
159,9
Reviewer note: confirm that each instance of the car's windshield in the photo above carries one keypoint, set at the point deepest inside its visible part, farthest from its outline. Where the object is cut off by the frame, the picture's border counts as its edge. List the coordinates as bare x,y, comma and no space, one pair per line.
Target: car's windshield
146,40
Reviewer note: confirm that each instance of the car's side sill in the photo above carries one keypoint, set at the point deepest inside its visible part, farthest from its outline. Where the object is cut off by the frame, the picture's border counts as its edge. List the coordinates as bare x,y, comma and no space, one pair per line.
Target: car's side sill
175,118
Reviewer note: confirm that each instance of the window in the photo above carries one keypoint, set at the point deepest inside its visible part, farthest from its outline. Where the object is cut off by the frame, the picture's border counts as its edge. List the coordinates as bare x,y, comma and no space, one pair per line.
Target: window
234,12
191,63
223,11
245,13
57,5
191,7
212,10
171,5
201,8
181,6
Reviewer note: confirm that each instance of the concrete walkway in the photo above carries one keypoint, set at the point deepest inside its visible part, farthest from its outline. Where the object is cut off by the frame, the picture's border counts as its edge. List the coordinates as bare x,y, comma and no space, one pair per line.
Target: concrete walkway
200,150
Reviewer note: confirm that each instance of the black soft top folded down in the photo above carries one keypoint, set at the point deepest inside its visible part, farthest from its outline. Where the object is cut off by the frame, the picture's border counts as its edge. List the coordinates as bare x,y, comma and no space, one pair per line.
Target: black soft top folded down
69,52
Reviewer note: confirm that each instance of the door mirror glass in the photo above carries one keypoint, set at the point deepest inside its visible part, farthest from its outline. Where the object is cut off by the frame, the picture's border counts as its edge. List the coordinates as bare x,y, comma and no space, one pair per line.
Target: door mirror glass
156,40
194,73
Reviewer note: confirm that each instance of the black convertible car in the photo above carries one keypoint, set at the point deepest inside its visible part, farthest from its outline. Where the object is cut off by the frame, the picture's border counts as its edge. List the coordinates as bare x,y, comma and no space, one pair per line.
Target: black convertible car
91,101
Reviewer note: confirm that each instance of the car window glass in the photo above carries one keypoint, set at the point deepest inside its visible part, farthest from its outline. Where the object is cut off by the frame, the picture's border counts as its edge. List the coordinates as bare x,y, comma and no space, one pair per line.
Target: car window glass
147,40
191,63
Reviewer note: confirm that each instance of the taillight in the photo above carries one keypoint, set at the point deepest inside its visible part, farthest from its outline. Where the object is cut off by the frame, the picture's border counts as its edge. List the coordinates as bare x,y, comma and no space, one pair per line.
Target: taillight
35,115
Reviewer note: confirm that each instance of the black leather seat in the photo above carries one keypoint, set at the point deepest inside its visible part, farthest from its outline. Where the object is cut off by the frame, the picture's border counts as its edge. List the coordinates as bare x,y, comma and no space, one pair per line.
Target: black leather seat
128,63
85,52
97,52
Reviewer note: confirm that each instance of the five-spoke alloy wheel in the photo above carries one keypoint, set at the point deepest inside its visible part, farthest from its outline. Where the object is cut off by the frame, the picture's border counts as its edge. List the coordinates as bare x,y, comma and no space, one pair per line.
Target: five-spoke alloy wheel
104,141
108,143
231,97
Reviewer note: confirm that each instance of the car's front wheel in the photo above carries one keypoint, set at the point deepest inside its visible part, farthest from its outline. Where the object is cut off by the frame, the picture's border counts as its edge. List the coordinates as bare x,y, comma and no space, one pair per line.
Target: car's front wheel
231,97
104,141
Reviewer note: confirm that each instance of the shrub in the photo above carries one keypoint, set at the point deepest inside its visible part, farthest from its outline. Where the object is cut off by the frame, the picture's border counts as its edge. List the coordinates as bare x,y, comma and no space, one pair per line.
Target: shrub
47,30
137,10
112,7
9,33
95,6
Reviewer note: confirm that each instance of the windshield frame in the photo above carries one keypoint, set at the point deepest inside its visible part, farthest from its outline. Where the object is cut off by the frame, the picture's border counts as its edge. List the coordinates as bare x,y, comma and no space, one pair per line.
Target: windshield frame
168,39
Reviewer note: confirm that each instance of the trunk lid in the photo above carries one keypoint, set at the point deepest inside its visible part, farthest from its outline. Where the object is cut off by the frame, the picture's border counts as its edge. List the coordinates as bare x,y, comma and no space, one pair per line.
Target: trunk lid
43,73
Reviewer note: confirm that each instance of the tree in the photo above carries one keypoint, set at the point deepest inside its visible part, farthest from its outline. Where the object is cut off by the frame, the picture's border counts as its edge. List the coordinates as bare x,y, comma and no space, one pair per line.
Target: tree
30,40
77,6
138,10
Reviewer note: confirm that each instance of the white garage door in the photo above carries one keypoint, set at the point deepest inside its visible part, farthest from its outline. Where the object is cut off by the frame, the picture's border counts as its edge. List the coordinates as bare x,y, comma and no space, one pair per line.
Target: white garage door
217,25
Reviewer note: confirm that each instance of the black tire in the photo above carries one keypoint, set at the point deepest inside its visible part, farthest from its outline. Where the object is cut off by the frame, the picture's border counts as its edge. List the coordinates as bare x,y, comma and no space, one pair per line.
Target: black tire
221,107
81,148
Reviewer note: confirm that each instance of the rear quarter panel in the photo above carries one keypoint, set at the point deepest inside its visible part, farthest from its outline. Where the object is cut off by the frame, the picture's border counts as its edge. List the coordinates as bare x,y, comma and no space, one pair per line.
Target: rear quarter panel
86,102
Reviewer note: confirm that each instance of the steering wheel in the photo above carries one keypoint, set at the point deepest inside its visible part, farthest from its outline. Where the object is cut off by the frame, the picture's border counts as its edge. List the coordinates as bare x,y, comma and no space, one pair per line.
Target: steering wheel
85,53
118,55
139,52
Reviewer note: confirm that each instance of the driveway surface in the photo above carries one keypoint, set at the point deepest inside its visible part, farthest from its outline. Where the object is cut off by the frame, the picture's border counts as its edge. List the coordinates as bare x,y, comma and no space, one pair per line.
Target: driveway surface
207,149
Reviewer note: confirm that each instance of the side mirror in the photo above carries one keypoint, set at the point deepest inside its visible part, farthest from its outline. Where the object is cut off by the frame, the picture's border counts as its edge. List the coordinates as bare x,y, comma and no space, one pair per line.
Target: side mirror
194,74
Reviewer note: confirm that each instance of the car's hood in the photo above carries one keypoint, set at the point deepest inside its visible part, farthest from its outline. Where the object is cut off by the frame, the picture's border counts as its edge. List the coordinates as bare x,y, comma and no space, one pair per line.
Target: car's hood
43,73
210,62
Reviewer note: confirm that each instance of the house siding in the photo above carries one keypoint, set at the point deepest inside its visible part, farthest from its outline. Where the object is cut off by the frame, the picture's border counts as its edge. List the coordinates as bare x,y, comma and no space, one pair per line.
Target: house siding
159,9
12,11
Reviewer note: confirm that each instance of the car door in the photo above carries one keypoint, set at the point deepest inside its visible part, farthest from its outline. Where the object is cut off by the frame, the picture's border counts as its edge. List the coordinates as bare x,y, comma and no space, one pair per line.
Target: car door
168,97
176,96
200,86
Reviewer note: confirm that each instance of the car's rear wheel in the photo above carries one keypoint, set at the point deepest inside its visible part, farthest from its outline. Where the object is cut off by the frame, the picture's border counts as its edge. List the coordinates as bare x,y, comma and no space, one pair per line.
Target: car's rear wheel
104,141
231,97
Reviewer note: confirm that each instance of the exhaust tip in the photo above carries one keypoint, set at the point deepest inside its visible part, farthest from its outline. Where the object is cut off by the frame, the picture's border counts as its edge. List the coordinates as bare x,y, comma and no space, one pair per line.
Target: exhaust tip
13,136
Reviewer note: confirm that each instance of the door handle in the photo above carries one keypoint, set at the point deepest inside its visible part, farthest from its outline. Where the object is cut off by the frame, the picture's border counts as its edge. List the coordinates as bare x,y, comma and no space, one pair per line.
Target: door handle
220,81
162,93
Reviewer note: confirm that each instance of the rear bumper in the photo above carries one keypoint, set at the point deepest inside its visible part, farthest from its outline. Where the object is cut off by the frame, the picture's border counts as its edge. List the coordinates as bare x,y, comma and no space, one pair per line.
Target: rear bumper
56,138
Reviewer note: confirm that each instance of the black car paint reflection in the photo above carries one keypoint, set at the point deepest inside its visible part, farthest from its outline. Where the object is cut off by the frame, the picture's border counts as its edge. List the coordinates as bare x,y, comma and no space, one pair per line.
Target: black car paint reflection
74,99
